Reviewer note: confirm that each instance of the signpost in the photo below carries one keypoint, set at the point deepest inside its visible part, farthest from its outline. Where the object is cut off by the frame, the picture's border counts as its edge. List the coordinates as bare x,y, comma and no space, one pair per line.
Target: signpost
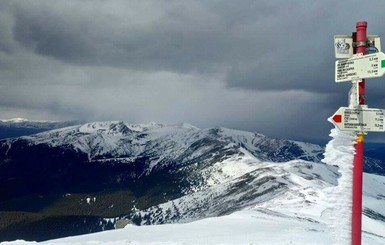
360,67
358,117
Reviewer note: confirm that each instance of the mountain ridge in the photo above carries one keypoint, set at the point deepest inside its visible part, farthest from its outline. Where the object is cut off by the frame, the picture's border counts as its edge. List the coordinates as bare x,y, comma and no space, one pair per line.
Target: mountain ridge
152,173
110,133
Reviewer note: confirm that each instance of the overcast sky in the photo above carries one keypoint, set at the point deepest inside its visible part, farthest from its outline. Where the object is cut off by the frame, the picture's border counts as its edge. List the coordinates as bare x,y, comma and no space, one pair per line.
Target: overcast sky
264,66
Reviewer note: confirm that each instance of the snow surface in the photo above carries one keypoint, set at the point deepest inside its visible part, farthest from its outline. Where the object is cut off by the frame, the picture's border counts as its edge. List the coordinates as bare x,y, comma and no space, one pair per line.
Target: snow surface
256,226
311,209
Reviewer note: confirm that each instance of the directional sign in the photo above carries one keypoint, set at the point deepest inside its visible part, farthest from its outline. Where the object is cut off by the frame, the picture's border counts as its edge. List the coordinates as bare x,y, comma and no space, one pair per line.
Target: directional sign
360,67
359,119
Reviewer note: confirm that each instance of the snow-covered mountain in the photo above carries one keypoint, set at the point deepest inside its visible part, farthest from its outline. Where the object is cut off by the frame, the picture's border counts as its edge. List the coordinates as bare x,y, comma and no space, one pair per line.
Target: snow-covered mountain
16,127
88,177
104,140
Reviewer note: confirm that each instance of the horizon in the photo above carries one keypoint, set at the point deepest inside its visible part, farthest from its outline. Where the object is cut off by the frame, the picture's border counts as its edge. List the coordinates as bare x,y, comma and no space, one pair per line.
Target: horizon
320,141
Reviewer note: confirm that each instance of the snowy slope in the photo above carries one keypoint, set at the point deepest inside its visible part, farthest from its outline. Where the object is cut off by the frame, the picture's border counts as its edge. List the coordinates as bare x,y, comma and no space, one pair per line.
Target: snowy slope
261,183
253,226
240,189
300,216
300,212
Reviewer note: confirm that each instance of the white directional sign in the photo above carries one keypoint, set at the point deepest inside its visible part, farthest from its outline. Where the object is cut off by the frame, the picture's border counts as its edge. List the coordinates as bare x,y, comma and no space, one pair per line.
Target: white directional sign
359,119
360,67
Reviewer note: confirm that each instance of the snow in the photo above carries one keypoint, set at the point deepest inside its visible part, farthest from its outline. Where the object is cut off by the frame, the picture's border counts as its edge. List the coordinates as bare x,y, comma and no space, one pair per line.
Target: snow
340,151
90,200
313,207
231,168
245,227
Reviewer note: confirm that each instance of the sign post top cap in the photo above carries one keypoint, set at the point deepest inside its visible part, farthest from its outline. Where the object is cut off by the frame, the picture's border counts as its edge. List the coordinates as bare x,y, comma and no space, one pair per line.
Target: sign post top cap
362,24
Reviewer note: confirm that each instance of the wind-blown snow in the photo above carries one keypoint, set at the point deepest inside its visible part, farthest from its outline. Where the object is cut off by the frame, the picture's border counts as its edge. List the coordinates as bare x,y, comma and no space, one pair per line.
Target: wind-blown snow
340,152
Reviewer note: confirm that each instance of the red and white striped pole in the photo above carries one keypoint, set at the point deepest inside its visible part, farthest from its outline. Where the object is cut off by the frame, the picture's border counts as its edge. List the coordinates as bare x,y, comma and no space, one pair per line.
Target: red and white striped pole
360,41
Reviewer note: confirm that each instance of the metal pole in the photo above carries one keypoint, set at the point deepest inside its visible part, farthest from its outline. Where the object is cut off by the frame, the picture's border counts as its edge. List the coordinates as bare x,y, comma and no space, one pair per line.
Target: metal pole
359,147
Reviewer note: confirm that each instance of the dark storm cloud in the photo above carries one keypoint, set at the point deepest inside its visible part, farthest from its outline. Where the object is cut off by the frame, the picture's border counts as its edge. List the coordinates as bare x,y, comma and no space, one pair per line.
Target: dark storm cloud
254,65
158,38
176,35
53,31
261,45
180,36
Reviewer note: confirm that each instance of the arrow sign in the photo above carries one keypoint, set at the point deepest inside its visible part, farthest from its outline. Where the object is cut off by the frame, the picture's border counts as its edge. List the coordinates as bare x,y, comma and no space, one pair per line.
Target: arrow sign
359,119
360,67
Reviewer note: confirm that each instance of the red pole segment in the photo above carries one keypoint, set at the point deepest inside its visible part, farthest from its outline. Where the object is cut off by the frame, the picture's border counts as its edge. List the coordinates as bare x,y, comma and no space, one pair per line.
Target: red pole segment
361,48
358,164
357,190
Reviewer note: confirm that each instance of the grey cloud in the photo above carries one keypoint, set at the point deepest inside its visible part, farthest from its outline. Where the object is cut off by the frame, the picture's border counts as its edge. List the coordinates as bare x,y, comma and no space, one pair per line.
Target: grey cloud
6,41
253,42
50,33
186,36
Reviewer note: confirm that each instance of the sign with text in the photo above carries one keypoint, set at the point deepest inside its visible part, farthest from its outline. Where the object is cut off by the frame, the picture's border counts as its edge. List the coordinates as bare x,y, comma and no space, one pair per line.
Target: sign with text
359,119
360,67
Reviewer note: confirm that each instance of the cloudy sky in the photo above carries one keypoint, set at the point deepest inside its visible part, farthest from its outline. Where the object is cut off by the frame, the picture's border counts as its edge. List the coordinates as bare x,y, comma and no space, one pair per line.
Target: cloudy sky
265,66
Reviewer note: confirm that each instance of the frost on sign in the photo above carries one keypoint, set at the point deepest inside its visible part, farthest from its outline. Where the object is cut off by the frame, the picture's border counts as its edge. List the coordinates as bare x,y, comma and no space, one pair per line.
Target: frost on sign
360,67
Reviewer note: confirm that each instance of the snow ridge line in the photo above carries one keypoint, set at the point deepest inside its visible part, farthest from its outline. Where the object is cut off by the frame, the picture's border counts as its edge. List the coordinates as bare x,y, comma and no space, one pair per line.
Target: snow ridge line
340,152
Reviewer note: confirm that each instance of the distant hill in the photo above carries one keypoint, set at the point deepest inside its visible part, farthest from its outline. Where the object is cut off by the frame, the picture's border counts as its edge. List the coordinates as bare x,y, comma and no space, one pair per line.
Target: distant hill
17,127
